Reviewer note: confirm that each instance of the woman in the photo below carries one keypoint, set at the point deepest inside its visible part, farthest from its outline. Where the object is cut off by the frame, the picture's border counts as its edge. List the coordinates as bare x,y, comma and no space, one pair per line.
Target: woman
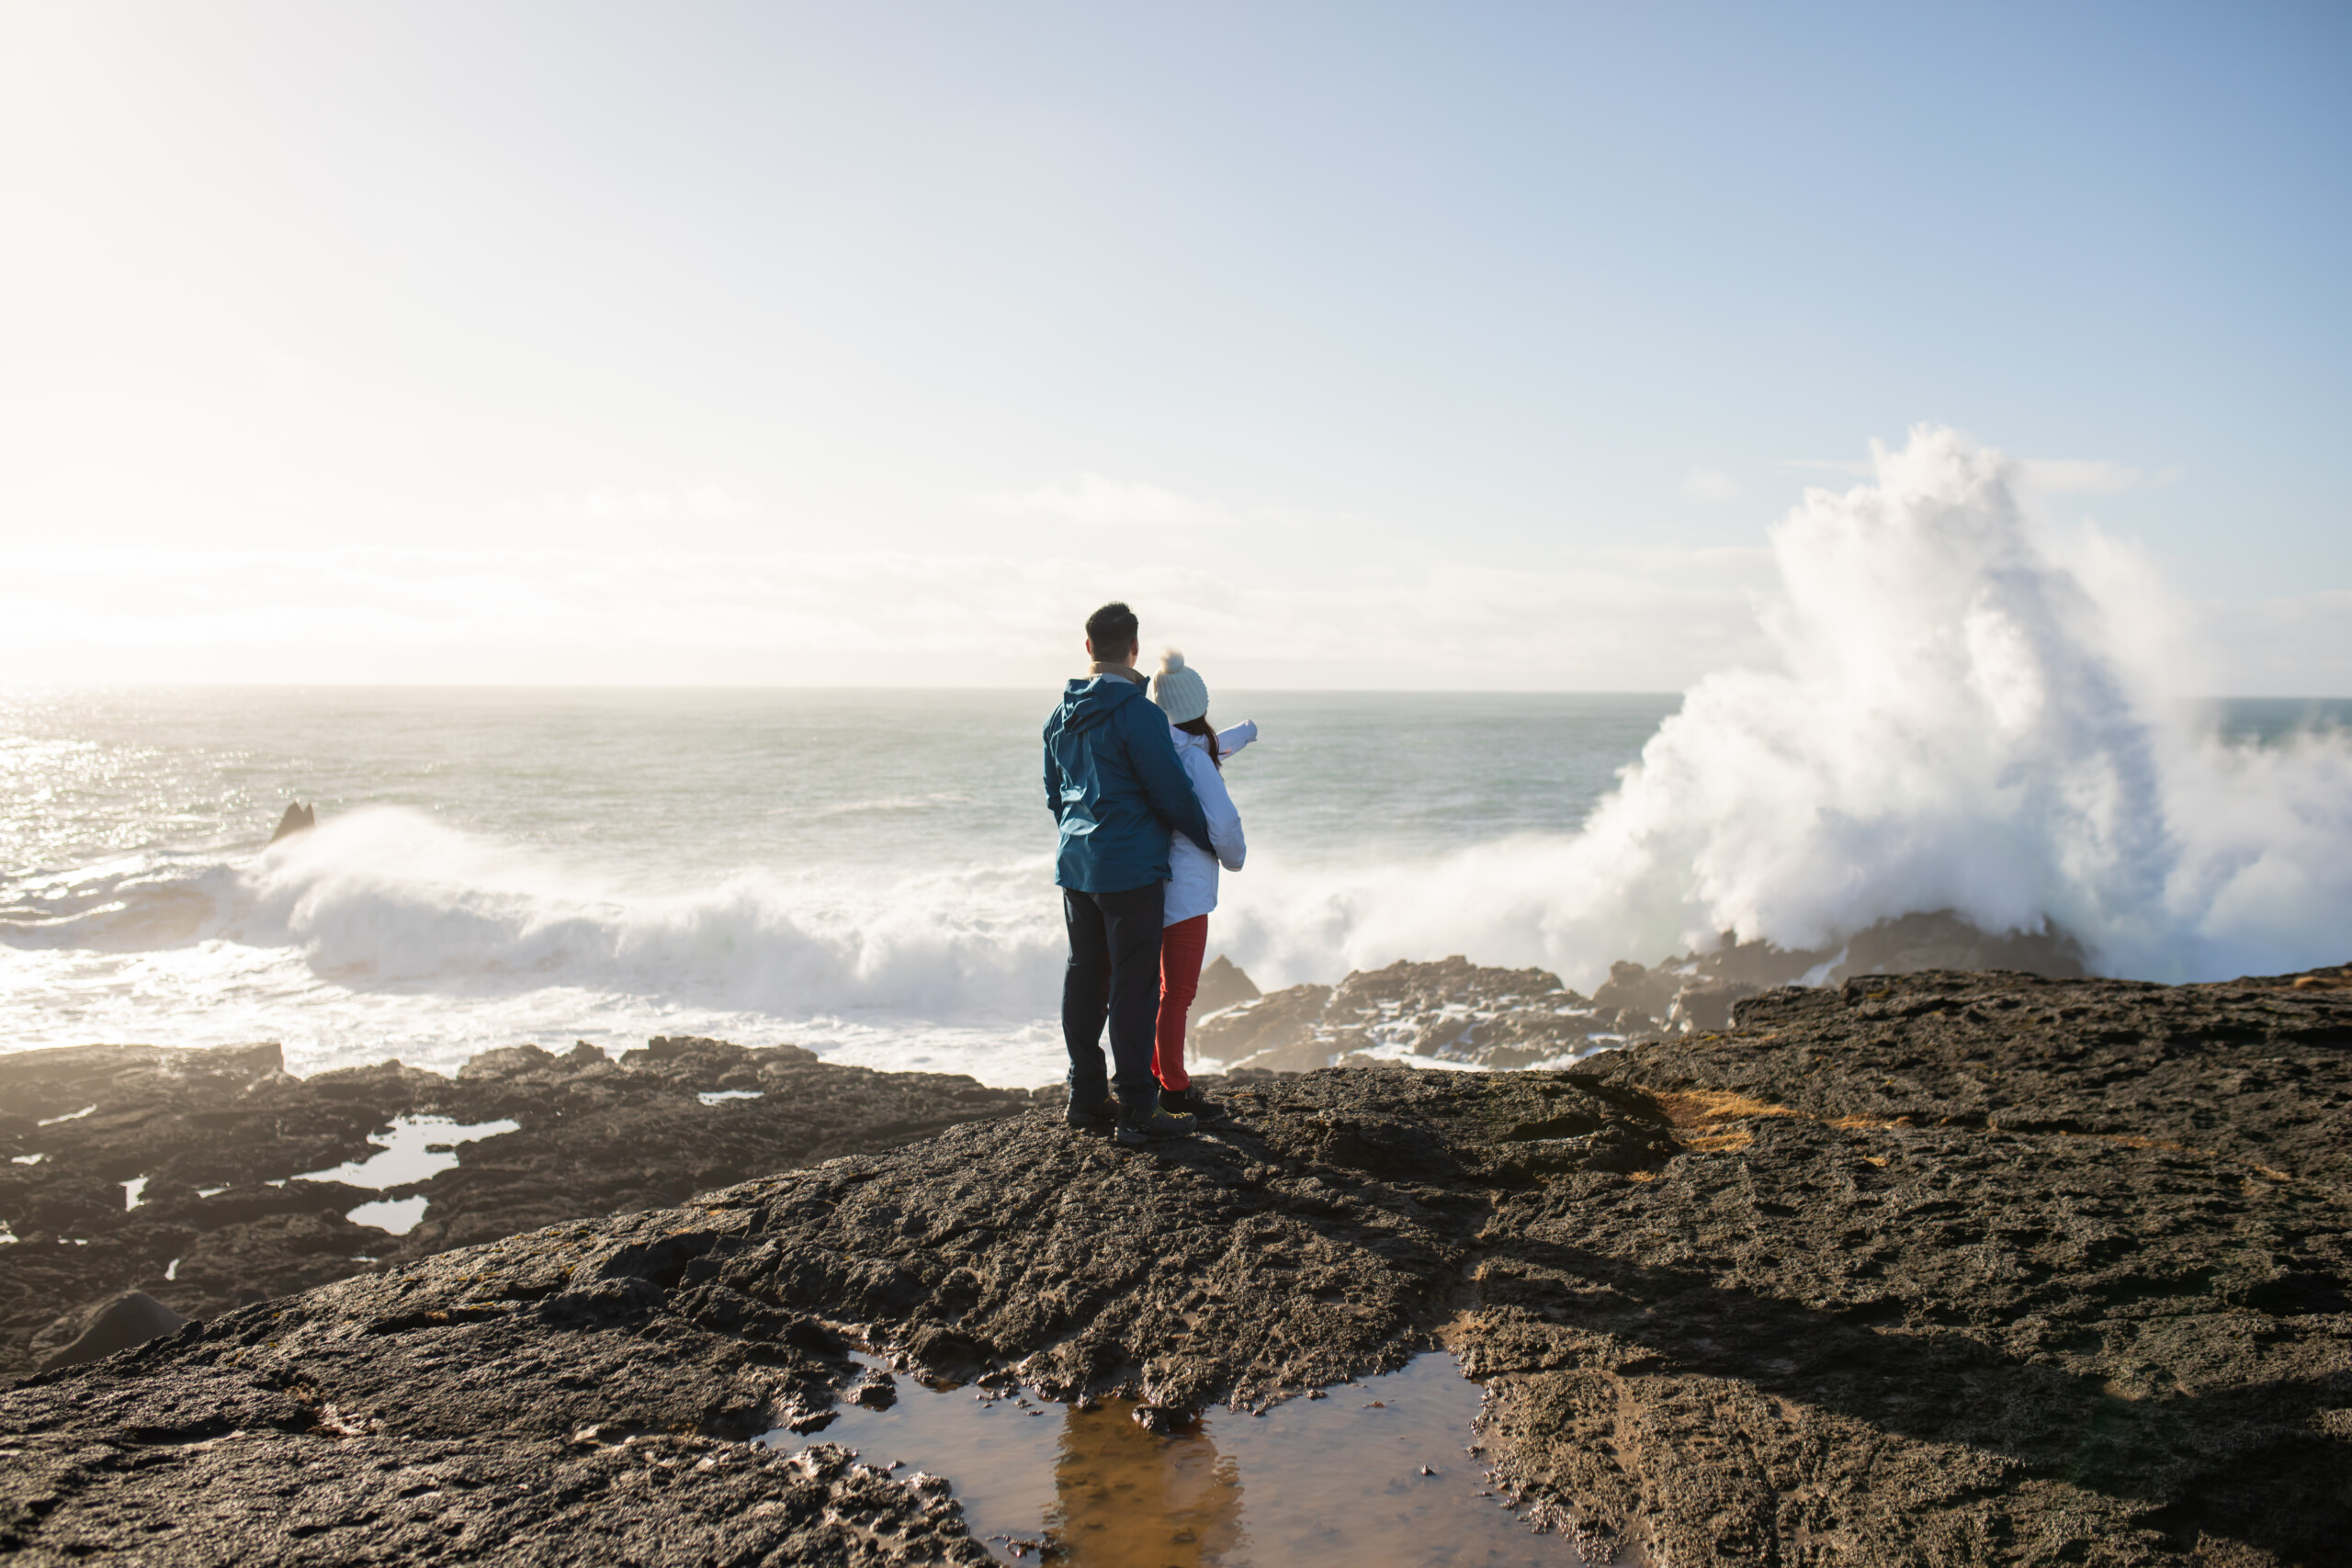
1191,890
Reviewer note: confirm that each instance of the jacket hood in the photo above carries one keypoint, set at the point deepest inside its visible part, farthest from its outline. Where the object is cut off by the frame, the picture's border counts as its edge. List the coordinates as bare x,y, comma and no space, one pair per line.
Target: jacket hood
1090,700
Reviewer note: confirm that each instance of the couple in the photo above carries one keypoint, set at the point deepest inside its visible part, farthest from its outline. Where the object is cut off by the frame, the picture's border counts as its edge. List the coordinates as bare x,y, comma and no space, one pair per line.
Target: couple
1135,784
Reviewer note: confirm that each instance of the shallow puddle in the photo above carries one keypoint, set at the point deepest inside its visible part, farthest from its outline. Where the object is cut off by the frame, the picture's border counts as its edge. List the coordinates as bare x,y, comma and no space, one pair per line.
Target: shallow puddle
1375,1473
416,1150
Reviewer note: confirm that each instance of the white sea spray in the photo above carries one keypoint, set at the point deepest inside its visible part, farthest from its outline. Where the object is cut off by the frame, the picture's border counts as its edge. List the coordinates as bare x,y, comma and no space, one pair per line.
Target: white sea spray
1962,709
1955,720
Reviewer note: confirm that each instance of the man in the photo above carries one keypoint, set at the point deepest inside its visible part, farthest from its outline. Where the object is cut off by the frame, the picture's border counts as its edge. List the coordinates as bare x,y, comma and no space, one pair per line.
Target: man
1116,786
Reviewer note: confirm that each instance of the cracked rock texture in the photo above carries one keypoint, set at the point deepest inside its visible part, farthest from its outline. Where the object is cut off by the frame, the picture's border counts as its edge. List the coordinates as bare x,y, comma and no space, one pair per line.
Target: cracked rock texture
1939,1268
595,1137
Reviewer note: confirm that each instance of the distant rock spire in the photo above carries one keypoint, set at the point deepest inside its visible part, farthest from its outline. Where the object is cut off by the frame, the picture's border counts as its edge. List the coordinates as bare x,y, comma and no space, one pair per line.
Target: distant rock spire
298,818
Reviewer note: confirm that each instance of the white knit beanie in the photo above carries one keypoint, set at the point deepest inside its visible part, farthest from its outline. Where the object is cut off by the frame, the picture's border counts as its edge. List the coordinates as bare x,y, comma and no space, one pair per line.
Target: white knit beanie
1181,693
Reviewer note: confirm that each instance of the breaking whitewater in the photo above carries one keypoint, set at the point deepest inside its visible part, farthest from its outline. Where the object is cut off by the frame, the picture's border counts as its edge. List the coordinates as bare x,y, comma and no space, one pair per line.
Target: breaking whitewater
1963,718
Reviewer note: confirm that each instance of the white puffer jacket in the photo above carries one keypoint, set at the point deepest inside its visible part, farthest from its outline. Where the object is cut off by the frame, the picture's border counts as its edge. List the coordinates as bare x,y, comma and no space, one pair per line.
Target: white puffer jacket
1192,882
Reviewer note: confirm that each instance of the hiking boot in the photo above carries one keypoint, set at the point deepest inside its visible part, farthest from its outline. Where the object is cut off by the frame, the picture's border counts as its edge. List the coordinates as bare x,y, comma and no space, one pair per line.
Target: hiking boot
1095,1118
1189,1101
1151,1126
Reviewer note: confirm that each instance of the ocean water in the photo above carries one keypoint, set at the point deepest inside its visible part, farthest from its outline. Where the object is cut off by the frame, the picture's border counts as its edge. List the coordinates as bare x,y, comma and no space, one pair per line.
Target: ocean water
866,873
1956,715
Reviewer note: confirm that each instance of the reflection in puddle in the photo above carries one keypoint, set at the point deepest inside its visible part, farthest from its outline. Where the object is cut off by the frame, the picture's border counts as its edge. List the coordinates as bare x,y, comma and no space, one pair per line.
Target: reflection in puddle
417,1148
1376,1474
398,1215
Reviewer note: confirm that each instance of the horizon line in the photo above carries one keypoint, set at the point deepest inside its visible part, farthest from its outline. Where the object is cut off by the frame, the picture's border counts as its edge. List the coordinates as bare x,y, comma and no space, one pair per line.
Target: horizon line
10,688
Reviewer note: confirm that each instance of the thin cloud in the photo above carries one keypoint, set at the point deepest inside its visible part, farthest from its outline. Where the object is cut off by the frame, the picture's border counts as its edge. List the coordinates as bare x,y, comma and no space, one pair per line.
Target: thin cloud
583,618
2036,476
1706,484
574,616
680,503
1095,501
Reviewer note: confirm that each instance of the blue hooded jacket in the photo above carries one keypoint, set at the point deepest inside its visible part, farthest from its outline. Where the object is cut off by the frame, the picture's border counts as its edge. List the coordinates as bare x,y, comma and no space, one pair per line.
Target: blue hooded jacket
1115,784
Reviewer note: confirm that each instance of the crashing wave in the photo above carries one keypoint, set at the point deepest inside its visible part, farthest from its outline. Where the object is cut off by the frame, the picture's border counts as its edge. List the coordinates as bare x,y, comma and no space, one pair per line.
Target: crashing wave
1953,722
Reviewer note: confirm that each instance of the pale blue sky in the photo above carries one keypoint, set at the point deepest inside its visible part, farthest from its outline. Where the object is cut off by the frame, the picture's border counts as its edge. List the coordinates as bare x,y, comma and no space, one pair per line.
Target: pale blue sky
1324,301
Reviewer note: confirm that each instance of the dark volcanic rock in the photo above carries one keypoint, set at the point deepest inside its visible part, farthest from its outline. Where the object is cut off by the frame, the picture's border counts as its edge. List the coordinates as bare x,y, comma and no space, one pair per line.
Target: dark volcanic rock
1455,1009
218,1133
130,1320
1956,1268
1939,1268
1910,944
1222,984
342,1490
1517,1017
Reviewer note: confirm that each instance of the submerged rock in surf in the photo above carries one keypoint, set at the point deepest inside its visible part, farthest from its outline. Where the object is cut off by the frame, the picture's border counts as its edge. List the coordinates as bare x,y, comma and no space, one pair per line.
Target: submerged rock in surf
1452,1010
1458,1011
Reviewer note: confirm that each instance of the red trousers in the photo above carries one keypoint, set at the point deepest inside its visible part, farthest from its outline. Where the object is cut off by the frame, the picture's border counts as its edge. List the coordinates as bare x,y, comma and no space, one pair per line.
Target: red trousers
1181,947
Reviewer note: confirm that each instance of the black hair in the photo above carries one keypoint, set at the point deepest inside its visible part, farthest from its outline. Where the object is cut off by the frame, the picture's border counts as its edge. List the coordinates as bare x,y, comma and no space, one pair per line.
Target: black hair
1111,630
1200,726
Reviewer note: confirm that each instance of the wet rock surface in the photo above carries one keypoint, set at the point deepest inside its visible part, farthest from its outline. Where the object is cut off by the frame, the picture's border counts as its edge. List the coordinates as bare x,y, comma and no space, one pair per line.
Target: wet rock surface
1946,1268
1457,1011
1452,1010
217,1135
365,1495
1952,1268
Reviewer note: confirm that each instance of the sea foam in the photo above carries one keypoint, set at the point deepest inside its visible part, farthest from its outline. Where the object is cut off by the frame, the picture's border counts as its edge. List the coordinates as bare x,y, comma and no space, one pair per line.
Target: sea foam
1954,720
1958,713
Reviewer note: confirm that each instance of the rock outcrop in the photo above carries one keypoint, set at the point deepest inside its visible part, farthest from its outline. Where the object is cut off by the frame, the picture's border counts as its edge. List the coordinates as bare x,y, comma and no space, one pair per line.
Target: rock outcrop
1452,1010
1457,1011
125,1323
1222,986
298,818
216,1136
1948,1268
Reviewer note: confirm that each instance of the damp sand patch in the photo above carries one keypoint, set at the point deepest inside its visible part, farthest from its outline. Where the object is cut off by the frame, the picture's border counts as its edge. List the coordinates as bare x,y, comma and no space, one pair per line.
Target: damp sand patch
1378,1472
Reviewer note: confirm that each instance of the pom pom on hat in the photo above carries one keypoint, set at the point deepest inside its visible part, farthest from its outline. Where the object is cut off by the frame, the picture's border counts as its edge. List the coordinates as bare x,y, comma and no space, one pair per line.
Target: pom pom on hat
1179,689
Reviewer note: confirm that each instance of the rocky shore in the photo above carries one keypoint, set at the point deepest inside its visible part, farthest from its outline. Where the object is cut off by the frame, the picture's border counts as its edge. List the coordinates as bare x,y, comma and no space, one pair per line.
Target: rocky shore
1948,1268
1455,1010
212,1144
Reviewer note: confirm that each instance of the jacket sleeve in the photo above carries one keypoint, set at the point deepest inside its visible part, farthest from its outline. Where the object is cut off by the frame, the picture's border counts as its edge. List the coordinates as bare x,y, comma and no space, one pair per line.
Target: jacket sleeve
1216,805
1228,742
1053,775
1161,773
